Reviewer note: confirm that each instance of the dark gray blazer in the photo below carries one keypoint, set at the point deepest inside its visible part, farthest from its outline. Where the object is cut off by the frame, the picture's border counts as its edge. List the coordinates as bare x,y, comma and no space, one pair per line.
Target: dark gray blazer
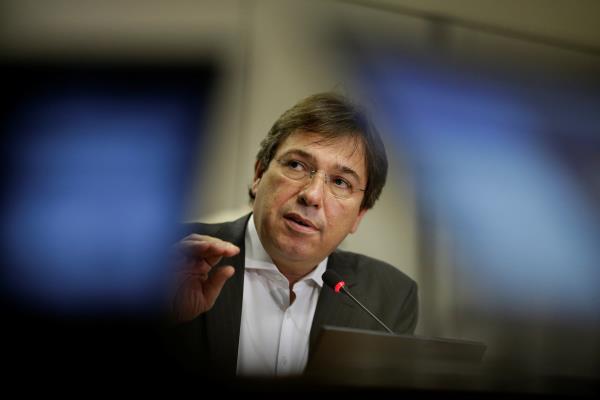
209,343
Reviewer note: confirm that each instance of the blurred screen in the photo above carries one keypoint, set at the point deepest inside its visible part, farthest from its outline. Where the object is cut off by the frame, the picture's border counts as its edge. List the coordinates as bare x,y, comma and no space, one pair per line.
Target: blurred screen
97,160
505,162
512,165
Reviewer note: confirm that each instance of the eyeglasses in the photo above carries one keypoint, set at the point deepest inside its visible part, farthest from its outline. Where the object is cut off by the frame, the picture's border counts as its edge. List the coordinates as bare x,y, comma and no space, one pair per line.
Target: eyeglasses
338,186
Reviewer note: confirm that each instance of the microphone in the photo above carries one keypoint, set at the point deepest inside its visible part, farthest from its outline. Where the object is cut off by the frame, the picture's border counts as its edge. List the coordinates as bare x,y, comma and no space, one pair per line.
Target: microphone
335,282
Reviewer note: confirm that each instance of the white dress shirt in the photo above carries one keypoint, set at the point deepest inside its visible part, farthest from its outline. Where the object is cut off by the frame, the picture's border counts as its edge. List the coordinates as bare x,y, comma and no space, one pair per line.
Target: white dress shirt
274,335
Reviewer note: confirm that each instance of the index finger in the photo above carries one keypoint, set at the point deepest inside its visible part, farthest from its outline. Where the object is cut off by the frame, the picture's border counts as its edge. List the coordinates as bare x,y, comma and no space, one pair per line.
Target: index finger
206,249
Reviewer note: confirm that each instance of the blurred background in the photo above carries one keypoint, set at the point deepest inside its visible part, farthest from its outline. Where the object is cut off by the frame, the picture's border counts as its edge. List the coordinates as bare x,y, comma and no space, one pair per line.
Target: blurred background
122,118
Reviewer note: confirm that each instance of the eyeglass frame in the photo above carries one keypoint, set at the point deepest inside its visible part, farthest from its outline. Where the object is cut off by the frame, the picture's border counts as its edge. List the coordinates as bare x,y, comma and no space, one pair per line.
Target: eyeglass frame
310,172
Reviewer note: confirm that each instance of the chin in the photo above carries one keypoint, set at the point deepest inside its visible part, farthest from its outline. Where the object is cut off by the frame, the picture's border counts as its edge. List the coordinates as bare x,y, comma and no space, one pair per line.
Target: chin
296,253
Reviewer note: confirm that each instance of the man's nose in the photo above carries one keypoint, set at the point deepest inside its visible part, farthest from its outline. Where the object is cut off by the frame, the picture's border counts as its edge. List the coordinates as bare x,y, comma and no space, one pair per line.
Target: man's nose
314,190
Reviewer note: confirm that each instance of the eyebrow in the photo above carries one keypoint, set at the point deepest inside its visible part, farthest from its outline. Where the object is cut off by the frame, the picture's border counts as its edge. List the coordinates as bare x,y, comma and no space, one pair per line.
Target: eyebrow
339,167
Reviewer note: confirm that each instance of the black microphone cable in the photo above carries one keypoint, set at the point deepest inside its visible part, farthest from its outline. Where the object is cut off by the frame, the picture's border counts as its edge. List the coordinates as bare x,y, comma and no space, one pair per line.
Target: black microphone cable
335,282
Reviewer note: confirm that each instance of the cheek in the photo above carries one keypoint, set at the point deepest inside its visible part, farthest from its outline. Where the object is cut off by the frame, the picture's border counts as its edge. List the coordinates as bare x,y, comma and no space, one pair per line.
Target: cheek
273,192
341,219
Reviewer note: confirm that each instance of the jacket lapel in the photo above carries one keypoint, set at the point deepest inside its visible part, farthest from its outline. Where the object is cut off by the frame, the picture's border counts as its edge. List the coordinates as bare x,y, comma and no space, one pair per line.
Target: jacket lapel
333,308
223,321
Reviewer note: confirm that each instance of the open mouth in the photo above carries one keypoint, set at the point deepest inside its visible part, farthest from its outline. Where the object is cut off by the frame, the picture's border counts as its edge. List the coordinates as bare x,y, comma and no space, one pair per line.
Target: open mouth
297,219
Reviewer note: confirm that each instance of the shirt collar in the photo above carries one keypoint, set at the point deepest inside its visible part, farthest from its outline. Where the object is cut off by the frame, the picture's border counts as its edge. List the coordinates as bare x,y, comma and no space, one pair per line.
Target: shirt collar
257,257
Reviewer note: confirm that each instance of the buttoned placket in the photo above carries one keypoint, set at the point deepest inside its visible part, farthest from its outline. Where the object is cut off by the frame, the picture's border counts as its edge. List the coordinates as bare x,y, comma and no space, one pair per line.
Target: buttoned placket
289,330
274,335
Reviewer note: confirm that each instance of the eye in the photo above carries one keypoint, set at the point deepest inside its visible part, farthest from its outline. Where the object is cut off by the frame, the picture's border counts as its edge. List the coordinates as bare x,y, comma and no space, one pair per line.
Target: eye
295,165
341,183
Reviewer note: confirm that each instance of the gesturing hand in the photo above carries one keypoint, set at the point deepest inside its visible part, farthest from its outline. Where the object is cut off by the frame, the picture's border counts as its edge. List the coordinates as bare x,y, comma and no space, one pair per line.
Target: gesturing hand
199,284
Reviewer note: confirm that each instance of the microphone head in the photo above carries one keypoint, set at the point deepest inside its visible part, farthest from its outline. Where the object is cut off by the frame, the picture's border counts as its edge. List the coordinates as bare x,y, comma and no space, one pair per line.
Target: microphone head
333,280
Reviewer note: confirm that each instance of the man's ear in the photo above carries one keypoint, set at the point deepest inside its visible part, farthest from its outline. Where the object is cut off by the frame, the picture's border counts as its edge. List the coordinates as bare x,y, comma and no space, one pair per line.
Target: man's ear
359,218
258,172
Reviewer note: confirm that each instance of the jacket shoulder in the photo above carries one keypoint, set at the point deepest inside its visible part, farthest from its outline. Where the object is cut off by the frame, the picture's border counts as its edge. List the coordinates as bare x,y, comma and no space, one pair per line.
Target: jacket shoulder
365,267
201,228
229,231
385,290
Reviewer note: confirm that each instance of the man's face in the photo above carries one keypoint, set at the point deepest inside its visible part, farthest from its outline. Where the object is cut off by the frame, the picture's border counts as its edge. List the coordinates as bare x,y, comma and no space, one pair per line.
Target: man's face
284,207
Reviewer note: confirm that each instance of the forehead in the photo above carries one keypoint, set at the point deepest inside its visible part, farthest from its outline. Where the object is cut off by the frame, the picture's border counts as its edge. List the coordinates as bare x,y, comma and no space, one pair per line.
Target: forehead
347,150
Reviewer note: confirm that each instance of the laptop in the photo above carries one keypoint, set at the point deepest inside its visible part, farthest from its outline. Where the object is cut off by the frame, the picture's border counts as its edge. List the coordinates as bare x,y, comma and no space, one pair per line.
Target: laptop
357,356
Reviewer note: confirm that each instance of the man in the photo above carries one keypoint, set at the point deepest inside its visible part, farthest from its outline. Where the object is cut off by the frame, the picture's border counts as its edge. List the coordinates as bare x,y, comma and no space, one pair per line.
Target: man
251,300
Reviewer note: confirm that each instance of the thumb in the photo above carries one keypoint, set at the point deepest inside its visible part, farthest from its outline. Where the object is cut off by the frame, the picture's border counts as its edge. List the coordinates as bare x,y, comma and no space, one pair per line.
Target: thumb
216,281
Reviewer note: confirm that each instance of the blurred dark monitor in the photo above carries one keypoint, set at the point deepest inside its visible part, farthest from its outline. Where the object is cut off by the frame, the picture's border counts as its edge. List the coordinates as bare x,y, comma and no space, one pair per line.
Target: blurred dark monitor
96,164
360,357
96,161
